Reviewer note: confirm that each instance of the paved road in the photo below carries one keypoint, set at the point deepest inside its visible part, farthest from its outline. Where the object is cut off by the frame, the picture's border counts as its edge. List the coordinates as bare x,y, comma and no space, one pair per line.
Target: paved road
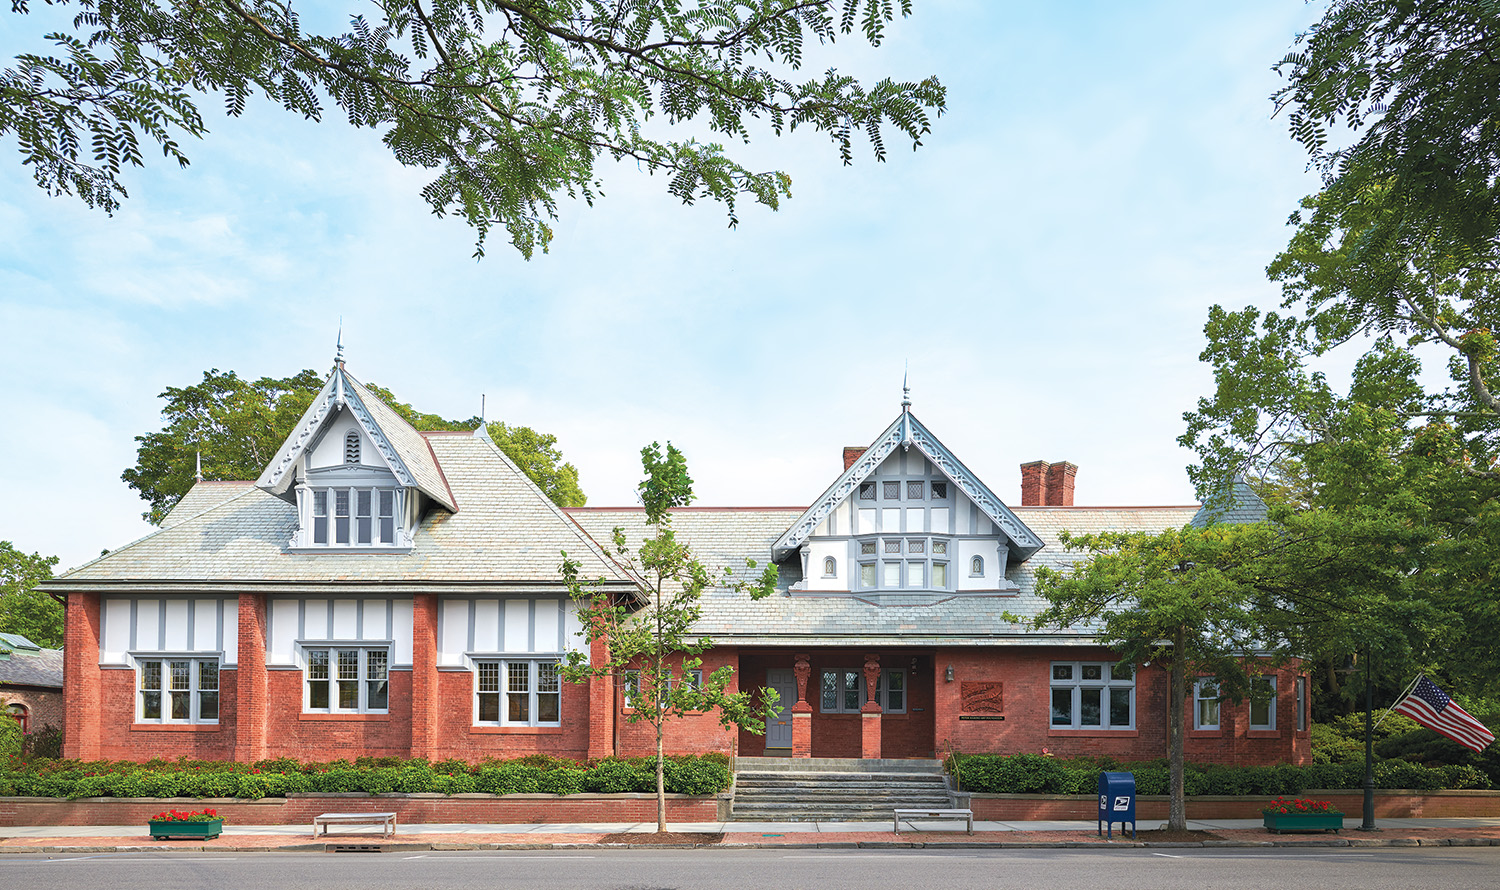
1440,868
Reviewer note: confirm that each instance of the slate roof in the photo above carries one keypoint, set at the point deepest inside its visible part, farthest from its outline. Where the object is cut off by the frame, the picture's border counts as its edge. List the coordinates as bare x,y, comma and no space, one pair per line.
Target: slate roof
506,534
204,496
724,537
1242,505
23,663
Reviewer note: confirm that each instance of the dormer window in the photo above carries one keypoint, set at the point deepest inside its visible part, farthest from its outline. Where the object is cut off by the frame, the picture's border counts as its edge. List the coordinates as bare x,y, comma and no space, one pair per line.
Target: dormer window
353,517
351,447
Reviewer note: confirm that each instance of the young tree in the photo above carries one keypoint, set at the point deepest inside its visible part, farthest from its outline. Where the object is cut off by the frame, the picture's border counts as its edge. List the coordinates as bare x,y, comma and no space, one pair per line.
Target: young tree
25,610
514,102
1215,601
236,425
654,643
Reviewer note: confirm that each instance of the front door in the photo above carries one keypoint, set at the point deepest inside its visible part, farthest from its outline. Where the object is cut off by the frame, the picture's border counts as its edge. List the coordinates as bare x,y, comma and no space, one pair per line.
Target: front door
779,726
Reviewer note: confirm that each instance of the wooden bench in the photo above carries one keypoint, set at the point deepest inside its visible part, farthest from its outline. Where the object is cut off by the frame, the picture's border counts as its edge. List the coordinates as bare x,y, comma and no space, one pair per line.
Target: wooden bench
386,821
910,815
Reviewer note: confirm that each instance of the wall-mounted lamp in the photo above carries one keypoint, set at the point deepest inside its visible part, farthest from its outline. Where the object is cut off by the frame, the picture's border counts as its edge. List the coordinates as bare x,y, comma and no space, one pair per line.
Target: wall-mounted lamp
948,674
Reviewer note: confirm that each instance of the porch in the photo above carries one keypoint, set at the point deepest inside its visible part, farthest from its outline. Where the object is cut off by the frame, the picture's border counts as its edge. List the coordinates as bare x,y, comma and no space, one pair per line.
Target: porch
843,702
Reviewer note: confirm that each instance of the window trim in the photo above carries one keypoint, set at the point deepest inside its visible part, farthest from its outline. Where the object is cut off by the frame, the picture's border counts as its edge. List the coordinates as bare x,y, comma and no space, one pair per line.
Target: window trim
1075,684
1270,723
830,567
976,566
20,713
1199,700
363,678
194,688
916,547
308,531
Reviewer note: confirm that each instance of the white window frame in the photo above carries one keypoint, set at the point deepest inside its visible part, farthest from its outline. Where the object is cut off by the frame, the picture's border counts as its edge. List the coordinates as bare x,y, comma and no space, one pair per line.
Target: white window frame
1270,703
534,692
1301,687
830,567
976,566
857,676
926,550
378,518
1075,687
164,690
364,679
1206,699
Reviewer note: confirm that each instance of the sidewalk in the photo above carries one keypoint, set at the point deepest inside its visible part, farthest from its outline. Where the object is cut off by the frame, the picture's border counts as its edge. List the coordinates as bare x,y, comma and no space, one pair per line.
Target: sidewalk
430,836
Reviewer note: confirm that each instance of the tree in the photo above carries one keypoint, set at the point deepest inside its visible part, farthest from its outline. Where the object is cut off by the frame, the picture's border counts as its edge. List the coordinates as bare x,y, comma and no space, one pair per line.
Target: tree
649,644
25,610
1391,267
237,425
540,459
515,101
1214,601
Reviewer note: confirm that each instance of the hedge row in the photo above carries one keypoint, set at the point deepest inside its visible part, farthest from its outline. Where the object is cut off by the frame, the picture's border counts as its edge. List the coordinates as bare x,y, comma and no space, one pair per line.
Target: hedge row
70,779
1035,774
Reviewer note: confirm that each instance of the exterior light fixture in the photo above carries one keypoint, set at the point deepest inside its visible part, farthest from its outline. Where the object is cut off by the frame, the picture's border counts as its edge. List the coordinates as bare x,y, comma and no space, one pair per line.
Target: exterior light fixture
948,674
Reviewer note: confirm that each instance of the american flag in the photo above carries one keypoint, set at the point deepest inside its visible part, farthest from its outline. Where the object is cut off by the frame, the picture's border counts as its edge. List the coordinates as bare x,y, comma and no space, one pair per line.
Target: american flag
1431,707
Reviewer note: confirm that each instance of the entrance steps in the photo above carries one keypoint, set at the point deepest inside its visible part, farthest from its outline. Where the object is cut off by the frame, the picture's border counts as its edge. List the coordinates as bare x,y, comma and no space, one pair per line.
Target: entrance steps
783,789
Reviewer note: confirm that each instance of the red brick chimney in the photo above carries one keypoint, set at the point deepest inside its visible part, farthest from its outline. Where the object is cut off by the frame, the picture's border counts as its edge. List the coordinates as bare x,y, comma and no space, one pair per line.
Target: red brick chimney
851,454
1034,483
1060,484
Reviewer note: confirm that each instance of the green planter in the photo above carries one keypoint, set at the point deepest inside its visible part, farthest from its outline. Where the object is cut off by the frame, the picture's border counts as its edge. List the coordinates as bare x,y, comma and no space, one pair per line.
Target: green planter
210,829
1279,822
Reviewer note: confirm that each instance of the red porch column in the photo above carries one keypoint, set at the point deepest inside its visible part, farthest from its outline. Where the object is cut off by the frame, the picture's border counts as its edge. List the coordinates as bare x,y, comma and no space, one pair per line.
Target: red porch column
81,698
250,680
601,705
802,711
424,703
869,712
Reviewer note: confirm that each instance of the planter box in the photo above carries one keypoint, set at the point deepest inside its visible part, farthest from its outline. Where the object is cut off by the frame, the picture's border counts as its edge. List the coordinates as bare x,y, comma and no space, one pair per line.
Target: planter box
1279,822
210,829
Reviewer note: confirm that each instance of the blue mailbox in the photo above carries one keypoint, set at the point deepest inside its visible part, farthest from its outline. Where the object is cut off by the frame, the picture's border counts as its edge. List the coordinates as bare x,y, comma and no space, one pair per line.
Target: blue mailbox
1117,802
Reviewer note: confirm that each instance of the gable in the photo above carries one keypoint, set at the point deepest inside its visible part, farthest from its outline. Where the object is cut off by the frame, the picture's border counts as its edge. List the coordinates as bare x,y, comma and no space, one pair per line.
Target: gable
907,433
387,441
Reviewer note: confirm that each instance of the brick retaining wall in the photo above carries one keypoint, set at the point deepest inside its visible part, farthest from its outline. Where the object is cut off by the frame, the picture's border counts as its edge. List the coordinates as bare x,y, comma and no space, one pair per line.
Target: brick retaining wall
299,808
1389,804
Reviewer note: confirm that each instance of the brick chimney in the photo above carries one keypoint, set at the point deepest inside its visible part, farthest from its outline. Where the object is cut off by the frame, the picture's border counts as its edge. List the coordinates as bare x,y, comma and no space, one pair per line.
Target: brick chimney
851,454
1060,484
1034,483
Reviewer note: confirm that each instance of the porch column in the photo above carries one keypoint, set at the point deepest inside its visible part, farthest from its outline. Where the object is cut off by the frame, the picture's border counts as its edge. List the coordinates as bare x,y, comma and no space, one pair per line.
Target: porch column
601,705
81,681
424,678
802,711
250,680
869,712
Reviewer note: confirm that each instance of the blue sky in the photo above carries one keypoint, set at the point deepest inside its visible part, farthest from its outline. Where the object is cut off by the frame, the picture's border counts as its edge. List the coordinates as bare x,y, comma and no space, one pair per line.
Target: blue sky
1045,262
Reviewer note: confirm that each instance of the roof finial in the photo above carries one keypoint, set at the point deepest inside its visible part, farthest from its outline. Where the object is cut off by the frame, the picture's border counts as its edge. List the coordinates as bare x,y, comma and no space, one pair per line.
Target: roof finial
905,390
338,352
198,473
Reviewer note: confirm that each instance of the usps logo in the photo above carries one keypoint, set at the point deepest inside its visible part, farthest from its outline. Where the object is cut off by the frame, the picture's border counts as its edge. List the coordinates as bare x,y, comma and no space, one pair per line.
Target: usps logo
1104,801
1122,804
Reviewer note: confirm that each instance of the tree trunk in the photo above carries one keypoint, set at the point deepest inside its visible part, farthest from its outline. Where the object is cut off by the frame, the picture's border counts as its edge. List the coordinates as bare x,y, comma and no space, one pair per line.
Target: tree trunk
1176,790
661,784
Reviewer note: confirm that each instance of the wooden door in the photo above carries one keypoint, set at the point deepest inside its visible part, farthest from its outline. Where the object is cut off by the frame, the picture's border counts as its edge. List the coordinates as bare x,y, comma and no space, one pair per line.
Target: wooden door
779,726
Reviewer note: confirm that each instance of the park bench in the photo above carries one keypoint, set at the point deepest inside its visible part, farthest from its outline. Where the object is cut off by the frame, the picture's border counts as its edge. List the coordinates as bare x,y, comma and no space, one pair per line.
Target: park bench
904,815
386,821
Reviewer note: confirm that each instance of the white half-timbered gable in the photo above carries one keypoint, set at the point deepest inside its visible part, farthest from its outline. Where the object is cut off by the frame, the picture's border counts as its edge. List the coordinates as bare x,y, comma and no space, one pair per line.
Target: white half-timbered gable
906,516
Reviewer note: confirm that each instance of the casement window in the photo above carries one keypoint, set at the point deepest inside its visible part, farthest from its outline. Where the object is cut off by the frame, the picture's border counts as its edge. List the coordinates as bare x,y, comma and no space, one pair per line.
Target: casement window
347,680
518,692
867,491
910,563
940,491
20,714
692,679
843,691
177,690
1301,686
1263,702
353,517
1206,703
1093,695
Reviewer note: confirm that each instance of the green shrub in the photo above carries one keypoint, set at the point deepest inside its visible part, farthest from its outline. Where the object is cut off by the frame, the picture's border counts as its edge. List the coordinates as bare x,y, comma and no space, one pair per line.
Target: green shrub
10,735
693,775
560,781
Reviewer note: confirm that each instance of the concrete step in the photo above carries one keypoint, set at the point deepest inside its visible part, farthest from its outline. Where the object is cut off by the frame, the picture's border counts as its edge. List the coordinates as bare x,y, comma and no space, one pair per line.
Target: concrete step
828,789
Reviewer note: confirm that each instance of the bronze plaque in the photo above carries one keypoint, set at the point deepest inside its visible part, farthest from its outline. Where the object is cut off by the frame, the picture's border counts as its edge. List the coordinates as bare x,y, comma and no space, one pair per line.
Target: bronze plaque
982,697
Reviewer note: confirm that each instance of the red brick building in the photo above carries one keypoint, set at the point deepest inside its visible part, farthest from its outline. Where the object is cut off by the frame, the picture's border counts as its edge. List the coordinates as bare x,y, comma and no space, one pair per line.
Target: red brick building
380,591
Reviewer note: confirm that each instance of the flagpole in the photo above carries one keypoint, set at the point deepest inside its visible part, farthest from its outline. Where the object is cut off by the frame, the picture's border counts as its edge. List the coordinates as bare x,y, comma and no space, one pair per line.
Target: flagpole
1368,822
1399,699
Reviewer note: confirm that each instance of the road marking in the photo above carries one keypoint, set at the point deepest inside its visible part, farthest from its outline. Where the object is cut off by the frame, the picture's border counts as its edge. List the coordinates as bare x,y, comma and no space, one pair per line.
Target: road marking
419,856
1169,855
154,860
